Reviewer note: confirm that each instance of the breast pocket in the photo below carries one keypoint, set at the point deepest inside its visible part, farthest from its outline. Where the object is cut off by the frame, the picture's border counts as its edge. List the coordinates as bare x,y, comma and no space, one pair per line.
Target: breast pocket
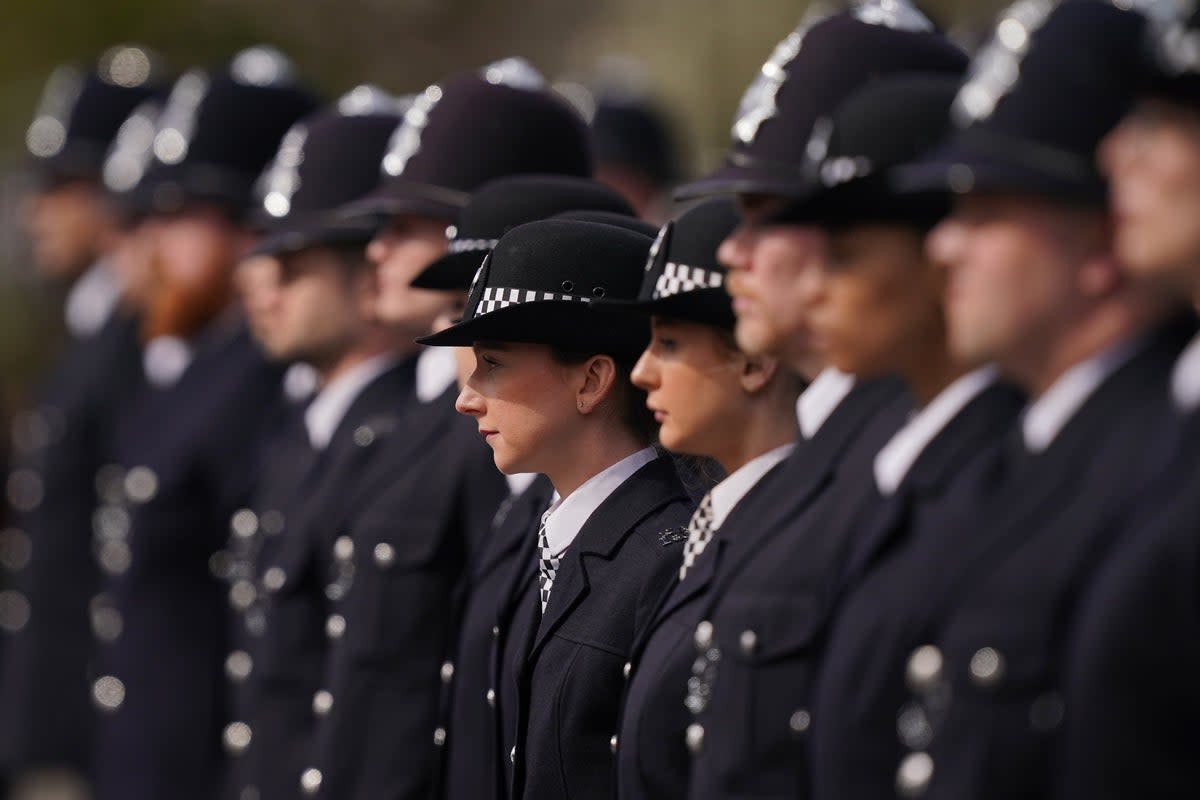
759,716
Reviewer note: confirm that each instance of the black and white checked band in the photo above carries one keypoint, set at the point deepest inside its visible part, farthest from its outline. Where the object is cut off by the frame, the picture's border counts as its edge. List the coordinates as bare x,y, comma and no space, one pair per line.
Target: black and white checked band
495,297
680,278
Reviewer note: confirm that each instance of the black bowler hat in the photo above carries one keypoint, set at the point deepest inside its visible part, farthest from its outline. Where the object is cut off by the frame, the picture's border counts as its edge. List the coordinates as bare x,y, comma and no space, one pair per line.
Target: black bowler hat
854,154
505,203
626,221
806,77
1037,101
325,160
683,278
82,109
217,132
534,285
470,129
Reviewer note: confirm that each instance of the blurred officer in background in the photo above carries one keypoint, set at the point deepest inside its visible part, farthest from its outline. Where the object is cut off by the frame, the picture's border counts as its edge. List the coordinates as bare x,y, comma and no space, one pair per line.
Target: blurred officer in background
187,440
1034,286
469,714
429,498
61,444
318,309
761,621
636,152
1130,679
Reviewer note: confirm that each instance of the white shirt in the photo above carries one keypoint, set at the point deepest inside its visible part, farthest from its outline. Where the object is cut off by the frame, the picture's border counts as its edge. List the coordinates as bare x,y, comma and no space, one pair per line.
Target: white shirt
92,300
436,370
567,515
165,359
729,492
897,457
300,382
1044,418
818,401
329,407
1185,378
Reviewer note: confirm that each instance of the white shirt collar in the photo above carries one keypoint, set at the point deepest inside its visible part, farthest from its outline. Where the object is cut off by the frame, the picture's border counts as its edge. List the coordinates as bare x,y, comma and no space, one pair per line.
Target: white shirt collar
92,300
1185,378
893,462
165,359
567,515
1045,417
300,382
729,492
818,401
327,410
436,371
518,482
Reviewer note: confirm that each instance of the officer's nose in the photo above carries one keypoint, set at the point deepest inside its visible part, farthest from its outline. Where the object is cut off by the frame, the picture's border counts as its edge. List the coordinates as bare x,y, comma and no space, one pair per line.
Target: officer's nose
469,401
945,243
645,372
379,247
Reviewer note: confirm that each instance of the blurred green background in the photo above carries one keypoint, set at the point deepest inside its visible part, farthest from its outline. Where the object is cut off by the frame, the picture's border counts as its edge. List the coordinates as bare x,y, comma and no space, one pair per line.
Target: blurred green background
694,57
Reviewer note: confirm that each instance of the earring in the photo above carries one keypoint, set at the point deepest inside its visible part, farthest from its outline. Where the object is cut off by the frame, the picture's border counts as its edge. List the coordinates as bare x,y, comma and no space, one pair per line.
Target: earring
581,405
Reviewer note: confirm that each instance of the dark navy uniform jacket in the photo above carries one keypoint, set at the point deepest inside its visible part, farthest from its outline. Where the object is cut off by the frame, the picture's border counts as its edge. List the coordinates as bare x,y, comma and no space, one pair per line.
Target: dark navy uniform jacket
995,705
276,662
774,586
1133,722
190,458
561,674
420,512
471,760
860,685
60,447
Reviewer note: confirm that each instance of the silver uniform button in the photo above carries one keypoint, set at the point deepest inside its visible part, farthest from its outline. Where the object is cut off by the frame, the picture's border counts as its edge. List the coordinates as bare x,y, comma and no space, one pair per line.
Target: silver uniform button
108,693
987,667
704,635
914,775
141,484
236,737
748,641
322,702
512,754
343,548
310,781
16,548
695,737
274,578
800,721
335,626
271,522
385,554
495,631
447,671
439,736
238,666
242,595
115,557
244,523
924,668
364,436
612,743
14,611
107,623
627,670
491,697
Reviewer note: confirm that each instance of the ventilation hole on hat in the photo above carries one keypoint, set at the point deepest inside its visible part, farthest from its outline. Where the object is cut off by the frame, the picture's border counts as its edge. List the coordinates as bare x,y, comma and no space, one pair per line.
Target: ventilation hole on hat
568,286
598,291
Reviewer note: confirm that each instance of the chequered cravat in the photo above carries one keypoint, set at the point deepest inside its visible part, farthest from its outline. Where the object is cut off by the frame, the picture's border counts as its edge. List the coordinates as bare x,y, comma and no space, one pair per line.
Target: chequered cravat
547,564
700,532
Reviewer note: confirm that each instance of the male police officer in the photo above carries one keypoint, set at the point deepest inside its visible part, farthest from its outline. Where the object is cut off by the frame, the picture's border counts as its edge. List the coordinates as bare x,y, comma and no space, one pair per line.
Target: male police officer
186,442
63,442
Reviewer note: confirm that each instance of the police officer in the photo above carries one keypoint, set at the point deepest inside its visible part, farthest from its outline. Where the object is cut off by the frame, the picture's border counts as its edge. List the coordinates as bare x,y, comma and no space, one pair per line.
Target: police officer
186,440
1130,673
62,443
470,713
319,309
774,573
1033,285
428,501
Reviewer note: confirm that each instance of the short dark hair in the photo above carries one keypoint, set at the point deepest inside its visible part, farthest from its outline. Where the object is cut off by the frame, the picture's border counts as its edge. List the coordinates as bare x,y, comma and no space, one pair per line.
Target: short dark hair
632,400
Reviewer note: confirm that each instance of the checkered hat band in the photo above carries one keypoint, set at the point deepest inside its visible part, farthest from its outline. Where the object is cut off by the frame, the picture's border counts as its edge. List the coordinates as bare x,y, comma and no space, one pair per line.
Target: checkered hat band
495,297
680,278
471,245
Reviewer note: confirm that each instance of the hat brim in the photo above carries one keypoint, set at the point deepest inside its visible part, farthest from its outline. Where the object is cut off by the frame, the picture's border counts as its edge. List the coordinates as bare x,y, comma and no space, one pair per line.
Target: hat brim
959,168
550,322
398,197
735,179
451,272
296,237
706,306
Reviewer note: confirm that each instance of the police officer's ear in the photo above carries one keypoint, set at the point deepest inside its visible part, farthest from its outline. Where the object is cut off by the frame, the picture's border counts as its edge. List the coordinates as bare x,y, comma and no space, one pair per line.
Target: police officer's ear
757,372
598,375
1099,275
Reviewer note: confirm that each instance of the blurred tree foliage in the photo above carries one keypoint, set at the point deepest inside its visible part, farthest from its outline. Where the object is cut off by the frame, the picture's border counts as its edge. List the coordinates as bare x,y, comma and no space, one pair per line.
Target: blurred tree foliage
698,56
